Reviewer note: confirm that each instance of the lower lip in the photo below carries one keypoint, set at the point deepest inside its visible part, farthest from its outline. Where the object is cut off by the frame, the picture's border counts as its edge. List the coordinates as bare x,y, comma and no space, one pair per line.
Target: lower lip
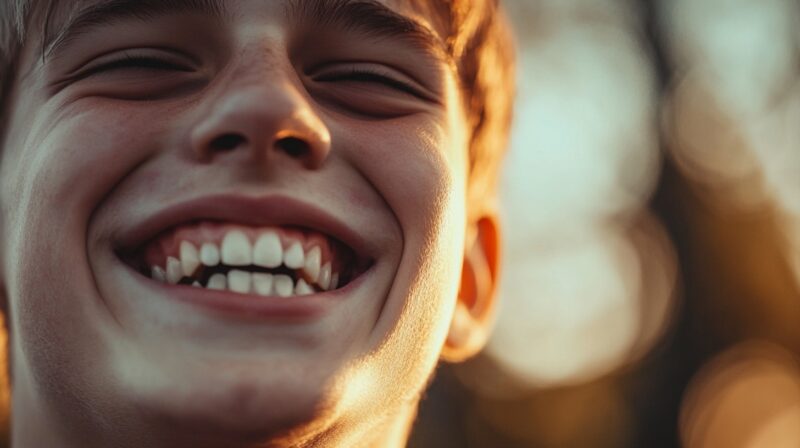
254,307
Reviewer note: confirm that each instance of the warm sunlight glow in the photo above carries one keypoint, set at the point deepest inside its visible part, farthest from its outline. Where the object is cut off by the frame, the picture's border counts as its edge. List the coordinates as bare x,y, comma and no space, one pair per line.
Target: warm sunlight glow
732,115
748,397
589,277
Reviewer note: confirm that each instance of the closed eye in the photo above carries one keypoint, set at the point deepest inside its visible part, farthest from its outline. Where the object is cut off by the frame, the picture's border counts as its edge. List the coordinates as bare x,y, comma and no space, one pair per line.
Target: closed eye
140,62
371,75
362,75
135,61
146,73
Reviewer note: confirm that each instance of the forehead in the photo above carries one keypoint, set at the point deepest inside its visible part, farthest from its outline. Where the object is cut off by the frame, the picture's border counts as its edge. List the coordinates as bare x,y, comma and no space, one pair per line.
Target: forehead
433,13
424,23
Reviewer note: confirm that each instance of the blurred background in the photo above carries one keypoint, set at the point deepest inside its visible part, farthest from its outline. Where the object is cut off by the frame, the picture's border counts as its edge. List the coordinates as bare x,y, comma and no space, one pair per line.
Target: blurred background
651,289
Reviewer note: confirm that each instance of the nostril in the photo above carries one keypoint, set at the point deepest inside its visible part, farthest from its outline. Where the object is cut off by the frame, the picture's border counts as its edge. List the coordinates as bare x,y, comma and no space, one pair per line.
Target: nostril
227,141
293,146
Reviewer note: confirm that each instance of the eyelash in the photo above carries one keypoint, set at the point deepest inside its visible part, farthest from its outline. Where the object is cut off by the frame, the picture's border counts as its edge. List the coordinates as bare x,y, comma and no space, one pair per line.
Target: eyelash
370,75
365,74
134,61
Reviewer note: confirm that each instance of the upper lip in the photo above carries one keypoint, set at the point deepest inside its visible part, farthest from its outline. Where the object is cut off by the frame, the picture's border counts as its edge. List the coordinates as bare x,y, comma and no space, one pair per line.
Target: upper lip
272,210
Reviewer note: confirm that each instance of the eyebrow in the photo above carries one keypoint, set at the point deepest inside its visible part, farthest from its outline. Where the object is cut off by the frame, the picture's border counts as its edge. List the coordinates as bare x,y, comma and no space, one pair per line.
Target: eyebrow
370,18
107,12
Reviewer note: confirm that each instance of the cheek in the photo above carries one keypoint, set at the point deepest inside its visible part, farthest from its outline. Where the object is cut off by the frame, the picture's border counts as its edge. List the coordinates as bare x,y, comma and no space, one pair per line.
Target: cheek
420,173
417,169
71,159
431,207
53,179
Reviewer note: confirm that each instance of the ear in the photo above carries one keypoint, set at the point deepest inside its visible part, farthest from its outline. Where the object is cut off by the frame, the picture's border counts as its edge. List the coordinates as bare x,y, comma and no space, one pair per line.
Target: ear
474,311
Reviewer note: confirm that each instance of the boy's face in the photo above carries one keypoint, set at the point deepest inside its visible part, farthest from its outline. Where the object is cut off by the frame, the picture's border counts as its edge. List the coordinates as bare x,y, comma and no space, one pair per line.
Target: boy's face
336,128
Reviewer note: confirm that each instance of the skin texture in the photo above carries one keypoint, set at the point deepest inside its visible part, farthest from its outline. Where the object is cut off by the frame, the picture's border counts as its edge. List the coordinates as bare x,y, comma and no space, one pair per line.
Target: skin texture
101,357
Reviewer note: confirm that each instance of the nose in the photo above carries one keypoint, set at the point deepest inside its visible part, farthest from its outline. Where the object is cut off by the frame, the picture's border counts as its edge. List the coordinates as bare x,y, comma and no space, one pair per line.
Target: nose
268,121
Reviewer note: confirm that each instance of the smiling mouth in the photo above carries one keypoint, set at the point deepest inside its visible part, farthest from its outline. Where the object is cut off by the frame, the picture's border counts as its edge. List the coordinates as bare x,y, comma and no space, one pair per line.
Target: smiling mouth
266,261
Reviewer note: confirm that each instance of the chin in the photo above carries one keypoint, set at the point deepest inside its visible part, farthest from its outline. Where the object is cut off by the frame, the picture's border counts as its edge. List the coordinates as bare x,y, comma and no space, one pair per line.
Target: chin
235,405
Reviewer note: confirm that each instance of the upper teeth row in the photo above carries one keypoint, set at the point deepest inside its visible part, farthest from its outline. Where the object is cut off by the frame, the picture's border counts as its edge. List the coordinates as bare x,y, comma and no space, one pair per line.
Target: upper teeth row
236,250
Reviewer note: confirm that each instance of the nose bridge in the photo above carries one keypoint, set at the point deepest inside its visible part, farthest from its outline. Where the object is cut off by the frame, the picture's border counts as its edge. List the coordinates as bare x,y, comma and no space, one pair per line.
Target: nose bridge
260,109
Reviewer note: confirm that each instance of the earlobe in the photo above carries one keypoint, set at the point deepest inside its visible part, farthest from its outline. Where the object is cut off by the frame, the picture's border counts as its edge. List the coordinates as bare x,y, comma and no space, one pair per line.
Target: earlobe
474,311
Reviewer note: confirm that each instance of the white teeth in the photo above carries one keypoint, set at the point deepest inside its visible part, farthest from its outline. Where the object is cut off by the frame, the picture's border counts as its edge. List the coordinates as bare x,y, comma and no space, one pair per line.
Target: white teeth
190,259
217,281
283,285
313,259
174,271
262,283
236,250
267,251
294,257
325,276
158,274
334,280
239,281
209,254
302,288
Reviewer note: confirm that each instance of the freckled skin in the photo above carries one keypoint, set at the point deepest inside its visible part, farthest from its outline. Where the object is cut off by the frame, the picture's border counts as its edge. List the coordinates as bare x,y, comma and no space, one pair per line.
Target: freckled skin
99,359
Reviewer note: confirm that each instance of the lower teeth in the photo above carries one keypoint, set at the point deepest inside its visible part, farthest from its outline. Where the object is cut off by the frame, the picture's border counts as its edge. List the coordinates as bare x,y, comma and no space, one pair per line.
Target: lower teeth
245,282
